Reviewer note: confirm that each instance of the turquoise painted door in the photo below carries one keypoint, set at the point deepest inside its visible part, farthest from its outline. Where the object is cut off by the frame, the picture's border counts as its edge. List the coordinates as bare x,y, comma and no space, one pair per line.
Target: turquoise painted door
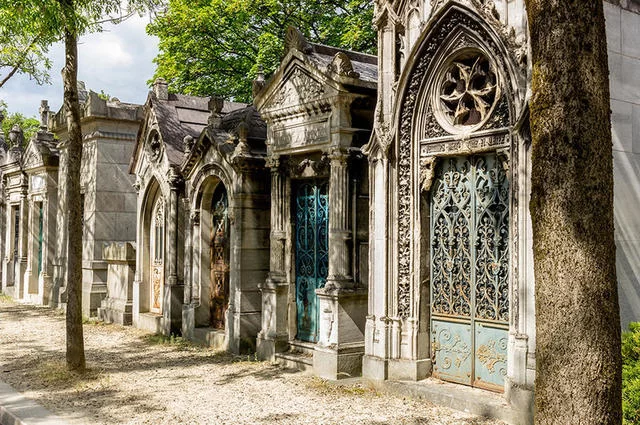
311,253
470,271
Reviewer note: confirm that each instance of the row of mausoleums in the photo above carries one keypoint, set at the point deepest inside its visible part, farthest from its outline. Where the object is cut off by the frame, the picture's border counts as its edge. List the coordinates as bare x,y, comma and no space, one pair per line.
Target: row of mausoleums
364,216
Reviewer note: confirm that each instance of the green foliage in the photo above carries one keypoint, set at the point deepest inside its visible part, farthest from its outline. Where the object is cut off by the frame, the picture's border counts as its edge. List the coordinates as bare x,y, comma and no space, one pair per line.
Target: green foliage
29,125
29,27
631,374
215,46
104,96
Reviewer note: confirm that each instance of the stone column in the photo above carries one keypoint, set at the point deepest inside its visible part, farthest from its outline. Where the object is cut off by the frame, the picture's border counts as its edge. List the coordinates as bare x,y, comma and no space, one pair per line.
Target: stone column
30,267
273,335
23,246
343,307
173,291
188,308
7,279
340,235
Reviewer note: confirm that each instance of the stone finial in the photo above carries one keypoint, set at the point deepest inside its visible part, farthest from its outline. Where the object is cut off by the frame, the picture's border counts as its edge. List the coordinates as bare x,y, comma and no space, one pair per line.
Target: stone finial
341,65
16,136
187,144
161,89
259,81
83,94
44,114
216,103
294,39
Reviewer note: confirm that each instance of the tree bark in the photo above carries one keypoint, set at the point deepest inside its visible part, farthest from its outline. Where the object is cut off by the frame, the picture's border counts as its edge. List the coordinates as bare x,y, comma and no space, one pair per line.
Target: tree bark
578,360
75,340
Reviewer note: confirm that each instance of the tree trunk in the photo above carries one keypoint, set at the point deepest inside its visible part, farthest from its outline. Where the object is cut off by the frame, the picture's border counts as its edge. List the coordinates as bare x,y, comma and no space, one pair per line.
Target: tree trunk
75,340
578,360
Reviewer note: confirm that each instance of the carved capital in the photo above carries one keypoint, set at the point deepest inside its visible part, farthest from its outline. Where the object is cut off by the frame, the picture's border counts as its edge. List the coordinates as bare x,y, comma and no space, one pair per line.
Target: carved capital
504,156
174,178
427,172
338,157
273,162
195,218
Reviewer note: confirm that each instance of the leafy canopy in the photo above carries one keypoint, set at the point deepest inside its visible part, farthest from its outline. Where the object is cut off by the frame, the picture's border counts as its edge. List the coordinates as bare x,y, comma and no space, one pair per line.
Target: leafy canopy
29,27
212,47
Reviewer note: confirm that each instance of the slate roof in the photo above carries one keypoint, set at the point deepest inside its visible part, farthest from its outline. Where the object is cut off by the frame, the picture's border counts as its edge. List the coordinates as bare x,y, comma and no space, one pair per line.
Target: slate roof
182,116
364,64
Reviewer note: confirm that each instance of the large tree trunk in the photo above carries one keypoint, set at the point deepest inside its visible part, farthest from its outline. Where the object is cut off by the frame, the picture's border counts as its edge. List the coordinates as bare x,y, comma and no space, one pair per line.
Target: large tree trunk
75,340
578,361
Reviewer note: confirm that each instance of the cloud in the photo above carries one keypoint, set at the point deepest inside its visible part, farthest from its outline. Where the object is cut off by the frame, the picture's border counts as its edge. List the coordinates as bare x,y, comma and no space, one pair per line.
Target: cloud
117,60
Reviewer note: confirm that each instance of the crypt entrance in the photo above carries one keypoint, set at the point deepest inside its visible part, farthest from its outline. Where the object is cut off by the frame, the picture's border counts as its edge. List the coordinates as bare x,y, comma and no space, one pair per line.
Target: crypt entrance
469,263
311,224
219,258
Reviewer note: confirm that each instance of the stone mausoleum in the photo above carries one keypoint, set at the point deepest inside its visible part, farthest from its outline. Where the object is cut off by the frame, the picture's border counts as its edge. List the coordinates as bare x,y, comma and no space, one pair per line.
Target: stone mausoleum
109,130
318,107
366,216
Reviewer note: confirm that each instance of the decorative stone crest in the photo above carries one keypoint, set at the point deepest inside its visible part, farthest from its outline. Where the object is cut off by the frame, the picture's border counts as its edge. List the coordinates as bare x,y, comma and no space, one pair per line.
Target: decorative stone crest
310,168
154,147
187,145
294,39
341,65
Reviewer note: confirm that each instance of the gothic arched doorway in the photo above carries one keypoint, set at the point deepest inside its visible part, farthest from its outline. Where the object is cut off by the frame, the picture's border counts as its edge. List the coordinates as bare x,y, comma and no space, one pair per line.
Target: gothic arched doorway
219,254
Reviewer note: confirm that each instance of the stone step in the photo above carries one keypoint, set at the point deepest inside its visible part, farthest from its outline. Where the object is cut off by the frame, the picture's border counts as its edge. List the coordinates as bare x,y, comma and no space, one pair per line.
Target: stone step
298,361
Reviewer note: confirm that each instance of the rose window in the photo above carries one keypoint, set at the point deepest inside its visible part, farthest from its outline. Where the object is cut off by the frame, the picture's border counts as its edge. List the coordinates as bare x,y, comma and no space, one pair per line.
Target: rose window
469,90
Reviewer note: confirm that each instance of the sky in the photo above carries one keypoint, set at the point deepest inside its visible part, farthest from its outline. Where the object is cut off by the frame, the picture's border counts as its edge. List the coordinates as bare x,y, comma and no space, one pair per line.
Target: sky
117,60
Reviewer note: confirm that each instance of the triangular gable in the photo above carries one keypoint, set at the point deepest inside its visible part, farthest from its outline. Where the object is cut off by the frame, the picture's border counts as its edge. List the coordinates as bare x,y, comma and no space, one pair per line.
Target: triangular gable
297,86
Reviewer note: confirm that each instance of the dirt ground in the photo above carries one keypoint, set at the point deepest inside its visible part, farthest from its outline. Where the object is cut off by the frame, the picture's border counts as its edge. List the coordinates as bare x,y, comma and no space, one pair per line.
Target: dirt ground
138,378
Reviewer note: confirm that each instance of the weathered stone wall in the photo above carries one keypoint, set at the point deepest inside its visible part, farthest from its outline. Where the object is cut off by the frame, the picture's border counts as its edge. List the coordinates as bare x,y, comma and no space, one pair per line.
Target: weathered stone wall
623,34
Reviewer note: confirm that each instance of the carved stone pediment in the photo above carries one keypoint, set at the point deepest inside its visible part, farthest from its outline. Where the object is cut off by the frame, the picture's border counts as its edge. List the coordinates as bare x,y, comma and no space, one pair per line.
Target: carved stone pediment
297,88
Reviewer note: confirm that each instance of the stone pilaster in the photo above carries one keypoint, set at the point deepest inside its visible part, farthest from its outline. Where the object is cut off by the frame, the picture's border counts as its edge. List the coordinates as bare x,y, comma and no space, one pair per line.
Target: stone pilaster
21,267
340,235
173,290
273,335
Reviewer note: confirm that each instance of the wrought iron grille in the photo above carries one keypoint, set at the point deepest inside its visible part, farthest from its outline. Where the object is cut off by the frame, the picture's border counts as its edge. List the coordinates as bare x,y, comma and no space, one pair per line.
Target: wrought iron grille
311,253
470,270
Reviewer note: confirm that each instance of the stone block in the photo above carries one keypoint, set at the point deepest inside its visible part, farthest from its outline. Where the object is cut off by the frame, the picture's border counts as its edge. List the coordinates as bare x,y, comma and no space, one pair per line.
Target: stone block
635,136
114,152
250,301
630,25
621,125
255,238
335,364
626,172
117,306
612,24
374,368
150,322
408,370
114,178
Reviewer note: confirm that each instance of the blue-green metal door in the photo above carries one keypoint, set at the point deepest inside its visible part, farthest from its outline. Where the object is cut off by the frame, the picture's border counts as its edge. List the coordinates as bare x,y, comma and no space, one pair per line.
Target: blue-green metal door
311,253
470,271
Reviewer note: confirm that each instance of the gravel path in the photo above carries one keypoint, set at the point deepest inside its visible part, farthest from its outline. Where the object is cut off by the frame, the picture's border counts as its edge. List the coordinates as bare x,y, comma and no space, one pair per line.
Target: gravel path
138,378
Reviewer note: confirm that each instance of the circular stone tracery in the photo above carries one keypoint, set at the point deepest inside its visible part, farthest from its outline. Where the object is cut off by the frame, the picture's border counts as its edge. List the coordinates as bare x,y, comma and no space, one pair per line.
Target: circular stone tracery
468,90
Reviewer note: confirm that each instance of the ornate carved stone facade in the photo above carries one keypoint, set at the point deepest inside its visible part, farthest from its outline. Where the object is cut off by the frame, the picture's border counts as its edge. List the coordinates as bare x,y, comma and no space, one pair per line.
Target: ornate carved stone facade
451,94
319,111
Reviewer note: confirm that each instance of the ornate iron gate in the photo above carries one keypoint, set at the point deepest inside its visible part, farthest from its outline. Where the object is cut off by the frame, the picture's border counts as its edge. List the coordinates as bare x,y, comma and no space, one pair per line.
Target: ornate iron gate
219,257
470,271
311,253
157,256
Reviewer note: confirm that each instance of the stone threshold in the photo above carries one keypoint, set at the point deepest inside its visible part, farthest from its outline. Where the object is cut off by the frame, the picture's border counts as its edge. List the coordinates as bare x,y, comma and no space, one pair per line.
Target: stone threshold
457,397
16,409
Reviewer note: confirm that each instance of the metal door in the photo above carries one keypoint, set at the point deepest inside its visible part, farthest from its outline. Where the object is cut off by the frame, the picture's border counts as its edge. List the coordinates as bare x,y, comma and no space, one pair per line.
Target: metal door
470,271
311,253
219,258
156,251
40,236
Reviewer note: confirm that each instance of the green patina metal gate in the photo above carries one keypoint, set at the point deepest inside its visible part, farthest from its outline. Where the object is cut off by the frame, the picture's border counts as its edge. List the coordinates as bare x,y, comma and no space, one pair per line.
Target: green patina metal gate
40,223
311,253
470,271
